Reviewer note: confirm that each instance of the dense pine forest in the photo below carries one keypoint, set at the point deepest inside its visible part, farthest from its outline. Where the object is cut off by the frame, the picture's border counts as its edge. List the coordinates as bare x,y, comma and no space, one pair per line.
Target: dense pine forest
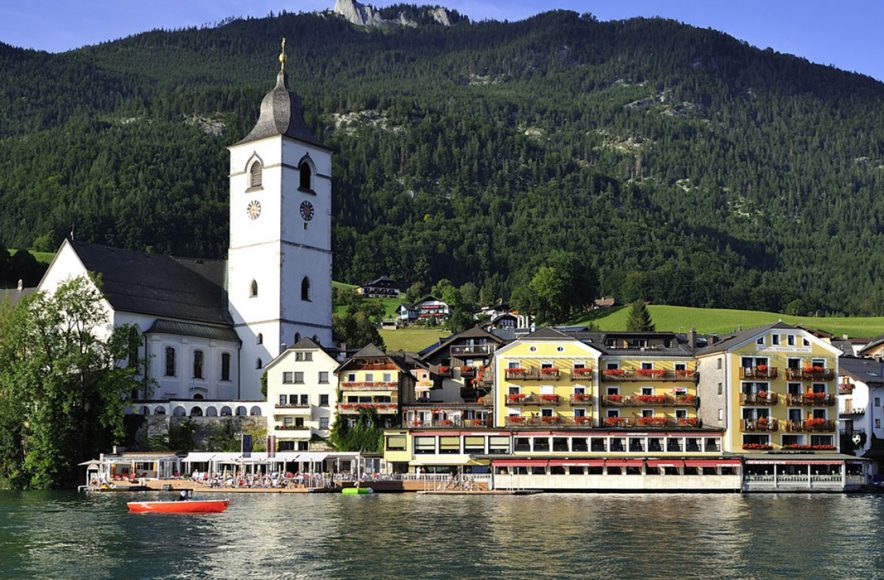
681,165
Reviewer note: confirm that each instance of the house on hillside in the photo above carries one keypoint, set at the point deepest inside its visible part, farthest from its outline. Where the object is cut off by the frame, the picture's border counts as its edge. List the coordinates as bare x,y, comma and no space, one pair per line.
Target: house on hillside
382,287
874,349
428,310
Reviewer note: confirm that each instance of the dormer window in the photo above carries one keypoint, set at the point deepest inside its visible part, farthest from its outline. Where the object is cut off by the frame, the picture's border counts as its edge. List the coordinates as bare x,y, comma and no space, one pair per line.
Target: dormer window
305,177
256,175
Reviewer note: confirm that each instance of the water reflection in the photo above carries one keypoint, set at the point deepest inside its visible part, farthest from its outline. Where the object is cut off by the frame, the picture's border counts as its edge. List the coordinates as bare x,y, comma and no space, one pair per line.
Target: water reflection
545,536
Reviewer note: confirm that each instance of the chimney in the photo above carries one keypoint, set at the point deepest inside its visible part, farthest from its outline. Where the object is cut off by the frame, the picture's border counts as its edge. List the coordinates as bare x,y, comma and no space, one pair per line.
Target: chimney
845,336
692,337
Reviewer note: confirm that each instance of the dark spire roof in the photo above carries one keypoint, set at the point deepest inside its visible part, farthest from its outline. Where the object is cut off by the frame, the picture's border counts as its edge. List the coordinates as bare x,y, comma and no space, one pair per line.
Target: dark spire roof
282,113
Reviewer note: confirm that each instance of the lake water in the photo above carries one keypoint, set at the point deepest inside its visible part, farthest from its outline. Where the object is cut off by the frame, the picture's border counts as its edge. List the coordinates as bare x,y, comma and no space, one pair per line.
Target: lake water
66,535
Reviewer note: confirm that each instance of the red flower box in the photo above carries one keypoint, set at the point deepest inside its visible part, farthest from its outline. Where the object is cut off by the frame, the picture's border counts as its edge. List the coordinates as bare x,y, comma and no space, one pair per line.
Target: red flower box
615,398
615,421
583,420
549,398
549,420
515,398
652,421
582,372
614,372
758,446
658,399
650,372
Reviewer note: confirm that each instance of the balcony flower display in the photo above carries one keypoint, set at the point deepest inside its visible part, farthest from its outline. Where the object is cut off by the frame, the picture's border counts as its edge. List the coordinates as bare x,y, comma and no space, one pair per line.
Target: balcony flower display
684,373
517,398
815,423
809,447
582,371
758,446
517,371
811,396
761,368
653,373
549,398
614,372
579,398
583,420
549,420
763,422
615,398
687,421
549,372
652,399
515,419
615,421
811,369
446,422
651,421
685,399
761,395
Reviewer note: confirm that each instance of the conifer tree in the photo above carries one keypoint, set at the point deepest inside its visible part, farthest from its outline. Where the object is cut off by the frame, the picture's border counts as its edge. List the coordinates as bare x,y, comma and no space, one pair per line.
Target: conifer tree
640,318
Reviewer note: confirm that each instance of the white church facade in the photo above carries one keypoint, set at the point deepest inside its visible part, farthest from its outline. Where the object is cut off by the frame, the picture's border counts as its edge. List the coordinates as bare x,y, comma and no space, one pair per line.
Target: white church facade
210,326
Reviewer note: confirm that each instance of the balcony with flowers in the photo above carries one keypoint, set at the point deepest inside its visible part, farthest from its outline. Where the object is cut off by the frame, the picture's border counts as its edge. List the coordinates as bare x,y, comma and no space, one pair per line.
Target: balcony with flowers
759,372
549,373
845,388
810,373
547,421
765,398
796,447
369,386
638,401
811,399
813,424
757,446
381,408
646,375
579,373
762,424
580,400
521,374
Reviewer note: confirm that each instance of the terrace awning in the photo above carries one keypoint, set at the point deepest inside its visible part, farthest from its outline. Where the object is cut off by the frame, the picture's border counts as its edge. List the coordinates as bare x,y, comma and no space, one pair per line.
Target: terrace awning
520,463
452,460
623,462
577,462
665,463
711,462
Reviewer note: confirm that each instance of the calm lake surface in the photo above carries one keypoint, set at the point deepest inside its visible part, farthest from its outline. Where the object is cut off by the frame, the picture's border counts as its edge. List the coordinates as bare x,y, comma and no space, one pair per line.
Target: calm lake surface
66,535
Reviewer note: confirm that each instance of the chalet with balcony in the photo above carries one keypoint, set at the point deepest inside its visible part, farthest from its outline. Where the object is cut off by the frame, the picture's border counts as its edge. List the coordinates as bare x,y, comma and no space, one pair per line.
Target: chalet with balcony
382,287
429,310
378,382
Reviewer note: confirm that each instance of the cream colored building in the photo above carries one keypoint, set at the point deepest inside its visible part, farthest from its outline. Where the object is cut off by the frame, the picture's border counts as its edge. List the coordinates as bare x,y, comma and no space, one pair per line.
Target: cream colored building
302,392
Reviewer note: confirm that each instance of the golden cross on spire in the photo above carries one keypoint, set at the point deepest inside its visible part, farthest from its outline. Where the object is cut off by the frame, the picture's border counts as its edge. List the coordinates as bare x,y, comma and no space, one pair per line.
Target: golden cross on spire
282,57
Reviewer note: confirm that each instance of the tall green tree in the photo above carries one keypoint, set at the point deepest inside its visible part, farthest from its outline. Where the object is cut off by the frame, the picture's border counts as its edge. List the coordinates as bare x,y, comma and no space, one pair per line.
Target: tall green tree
639,318
358,325
63,386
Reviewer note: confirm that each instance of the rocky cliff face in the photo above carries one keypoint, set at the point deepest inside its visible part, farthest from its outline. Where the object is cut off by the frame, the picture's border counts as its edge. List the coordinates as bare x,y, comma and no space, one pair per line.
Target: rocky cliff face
367,15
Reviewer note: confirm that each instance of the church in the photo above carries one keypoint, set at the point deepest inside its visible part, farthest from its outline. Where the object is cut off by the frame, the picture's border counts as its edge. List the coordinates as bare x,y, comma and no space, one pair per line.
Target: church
210,326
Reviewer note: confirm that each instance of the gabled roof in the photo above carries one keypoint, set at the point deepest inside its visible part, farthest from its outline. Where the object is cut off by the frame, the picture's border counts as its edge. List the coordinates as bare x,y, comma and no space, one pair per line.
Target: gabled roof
369,350
738,338
157,285
866,370
548,333
875,342
380,280
305,342
474,332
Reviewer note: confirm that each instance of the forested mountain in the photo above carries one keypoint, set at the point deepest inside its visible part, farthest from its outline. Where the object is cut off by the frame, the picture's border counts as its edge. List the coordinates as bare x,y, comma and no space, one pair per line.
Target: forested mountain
682,165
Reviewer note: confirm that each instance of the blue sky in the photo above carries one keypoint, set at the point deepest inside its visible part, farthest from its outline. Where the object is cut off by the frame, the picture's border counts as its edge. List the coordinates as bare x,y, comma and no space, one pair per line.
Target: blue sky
844,33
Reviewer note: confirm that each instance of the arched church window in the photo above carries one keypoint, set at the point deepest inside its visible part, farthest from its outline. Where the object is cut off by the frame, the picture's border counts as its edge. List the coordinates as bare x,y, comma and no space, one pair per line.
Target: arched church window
305,172
297,337
259,364
134,343
259,339
225,366
316,339
256,175
197,364
305,289
253,289
170,361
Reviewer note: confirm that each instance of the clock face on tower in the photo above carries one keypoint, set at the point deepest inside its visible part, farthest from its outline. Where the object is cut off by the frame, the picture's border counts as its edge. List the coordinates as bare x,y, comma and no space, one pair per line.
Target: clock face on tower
254,209
306,211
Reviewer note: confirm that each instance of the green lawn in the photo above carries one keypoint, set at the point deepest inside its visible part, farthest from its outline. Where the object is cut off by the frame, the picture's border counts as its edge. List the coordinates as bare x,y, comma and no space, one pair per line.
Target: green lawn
412,339
720,320
42,257
390,304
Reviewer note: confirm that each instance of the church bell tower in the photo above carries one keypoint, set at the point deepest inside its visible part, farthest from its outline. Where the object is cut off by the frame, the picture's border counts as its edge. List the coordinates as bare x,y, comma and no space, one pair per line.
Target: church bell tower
279,260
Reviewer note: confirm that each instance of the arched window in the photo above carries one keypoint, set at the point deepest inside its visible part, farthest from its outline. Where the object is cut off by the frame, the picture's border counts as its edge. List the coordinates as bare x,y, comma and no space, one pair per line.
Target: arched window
170,361
134,343
225,366
197,364
253,289
304,170
297,337
259,364
305,289
316,338
196,412
259,339
256,176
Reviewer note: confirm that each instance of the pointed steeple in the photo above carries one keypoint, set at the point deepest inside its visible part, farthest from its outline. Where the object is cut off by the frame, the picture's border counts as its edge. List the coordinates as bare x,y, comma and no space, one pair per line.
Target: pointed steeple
281,112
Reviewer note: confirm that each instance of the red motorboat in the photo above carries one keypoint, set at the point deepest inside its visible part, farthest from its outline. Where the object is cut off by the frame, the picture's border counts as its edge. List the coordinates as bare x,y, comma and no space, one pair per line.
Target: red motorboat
190,506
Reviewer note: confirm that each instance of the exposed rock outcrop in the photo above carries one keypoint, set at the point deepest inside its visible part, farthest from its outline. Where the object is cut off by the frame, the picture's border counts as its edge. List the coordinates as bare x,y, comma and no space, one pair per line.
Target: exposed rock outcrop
367,15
